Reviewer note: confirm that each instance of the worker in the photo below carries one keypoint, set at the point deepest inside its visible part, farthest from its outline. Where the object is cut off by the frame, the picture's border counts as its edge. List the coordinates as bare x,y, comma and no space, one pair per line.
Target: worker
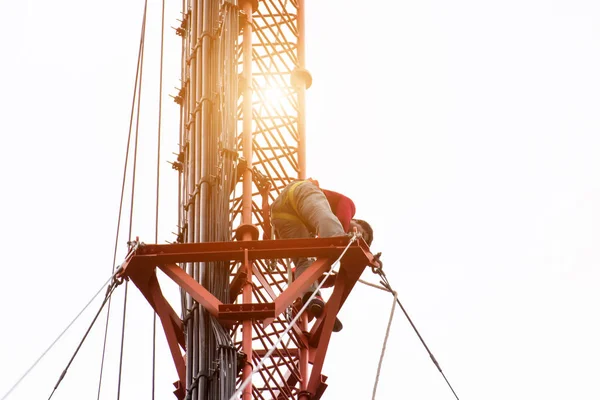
303,210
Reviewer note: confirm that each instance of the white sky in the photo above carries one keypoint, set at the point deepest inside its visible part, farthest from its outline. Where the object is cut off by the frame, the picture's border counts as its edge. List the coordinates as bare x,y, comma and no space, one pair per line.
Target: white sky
466,132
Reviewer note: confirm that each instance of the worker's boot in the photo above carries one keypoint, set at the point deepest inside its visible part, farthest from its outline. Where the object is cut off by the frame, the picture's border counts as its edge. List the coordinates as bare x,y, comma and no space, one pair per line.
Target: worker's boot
316,307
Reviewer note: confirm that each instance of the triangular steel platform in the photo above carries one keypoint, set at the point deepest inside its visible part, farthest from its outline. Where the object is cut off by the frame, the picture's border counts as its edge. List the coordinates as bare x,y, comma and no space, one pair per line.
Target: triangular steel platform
140,267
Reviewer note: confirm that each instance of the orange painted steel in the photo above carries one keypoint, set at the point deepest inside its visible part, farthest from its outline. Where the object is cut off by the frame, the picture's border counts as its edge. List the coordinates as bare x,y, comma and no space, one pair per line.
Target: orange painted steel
243,138
247,132
140,267
301,89
278,155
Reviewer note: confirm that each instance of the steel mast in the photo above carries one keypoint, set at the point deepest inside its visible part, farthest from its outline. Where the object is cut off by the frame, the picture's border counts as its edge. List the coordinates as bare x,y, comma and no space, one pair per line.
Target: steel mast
243,113
242,139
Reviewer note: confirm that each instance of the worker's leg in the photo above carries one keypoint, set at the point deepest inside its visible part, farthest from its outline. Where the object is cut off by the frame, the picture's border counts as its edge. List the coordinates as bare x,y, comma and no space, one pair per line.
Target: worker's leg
321,219
290,229
311,206
314,209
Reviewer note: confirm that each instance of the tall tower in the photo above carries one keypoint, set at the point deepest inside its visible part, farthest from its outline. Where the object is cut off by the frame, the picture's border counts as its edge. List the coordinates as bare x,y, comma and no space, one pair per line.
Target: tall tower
242,140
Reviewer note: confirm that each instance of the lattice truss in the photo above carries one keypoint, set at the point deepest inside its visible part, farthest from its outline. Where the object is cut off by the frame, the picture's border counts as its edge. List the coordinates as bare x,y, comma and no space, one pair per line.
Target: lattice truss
275,141
275,103
212,155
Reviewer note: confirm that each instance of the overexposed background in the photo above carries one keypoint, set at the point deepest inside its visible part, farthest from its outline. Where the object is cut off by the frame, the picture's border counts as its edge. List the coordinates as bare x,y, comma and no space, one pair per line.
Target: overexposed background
466,132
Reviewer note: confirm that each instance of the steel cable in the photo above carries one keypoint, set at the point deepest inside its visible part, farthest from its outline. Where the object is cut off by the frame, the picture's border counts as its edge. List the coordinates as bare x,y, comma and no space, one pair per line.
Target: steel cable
160,87
57,339
383,347
133,103
133,176
384,281
109,292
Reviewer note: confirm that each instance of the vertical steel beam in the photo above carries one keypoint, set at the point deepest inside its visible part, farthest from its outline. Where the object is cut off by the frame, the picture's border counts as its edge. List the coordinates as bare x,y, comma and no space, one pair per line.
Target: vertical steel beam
303,358
247,132
301,94
304,353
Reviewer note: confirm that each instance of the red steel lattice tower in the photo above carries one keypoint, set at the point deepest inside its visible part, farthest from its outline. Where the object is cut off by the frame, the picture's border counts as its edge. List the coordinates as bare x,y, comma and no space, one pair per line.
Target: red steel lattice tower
242,140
